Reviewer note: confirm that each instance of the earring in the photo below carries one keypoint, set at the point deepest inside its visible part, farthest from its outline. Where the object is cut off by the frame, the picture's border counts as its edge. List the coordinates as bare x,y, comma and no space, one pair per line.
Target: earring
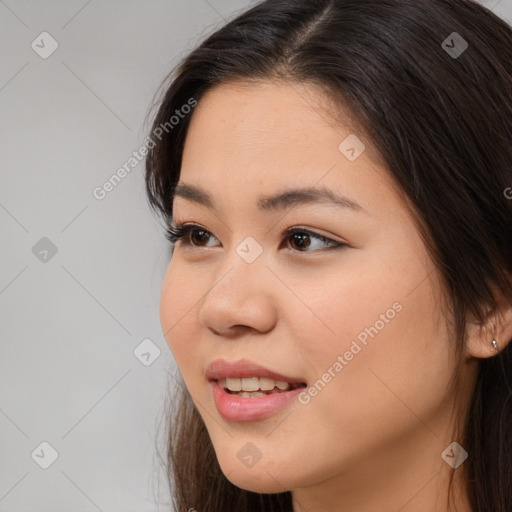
495,345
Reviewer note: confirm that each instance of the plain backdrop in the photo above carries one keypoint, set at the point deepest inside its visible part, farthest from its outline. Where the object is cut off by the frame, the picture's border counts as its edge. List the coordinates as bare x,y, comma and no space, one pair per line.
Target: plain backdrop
84,367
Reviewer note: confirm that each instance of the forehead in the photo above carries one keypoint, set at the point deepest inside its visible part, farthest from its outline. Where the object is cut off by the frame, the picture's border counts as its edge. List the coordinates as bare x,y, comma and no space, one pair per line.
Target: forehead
276,115
252,139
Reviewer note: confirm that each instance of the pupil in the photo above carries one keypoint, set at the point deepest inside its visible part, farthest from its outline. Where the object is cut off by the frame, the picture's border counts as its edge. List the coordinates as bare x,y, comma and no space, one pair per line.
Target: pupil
201,233
301,238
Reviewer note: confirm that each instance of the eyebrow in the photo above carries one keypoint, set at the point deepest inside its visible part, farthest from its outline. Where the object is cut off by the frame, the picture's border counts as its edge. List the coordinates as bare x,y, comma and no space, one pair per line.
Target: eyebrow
279,201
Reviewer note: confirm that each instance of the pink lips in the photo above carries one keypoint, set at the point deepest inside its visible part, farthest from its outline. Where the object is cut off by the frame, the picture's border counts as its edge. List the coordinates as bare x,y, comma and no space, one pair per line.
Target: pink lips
221,368
237,408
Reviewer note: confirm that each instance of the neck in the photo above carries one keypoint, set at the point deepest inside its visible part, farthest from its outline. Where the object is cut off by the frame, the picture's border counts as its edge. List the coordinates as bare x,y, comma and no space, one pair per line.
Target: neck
409,476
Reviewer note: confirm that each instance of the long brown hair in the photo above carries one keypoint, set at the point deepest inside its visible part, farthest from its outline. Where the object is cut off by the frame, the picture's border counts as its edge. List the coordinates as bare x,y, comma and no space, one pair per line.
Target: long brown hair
440,114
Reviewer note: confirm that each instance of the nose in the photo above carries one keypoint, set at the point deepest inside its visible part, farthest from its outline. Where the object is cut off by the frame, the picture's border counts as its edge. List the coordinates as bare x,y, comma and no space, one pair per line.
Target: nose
241,298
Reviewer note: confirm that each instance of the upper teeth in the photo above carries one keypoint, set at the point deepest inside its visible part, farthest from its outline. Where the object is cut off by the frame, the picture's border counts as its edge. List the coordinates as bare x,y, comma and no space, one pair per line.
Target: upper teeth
252,384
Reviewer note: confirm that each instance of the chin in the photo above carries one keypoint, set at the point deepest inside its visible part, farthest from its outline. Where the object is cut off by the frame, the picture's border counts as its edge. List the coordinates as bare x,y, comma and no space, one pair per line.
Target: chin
261,482
262,477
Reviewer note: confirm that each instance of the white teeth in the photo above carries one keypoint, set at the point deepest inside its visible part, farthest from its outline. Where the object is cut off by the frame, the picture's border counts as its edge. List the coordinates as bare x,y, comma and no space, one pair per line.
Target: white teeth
234,384
266,384
249,394
252,384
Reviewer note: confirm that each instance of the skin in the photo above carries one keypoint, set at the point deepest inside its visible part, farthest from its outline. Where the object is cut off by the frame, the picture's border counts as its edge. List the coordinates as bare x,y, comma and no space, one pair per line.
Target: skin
372,438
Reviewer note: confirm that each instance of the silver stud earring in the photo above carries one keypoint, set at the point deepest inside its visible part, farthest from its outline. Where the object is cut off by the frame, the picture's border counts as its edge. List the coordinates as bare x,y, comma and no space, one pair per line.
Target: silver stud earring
495,345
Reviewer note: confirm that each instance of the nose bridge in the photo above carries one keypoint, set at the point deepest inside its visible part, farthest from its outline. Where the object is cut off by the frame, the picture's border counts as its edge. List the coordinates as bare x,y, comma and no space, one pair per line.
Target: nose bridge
245,262
249,250
240,293
242,275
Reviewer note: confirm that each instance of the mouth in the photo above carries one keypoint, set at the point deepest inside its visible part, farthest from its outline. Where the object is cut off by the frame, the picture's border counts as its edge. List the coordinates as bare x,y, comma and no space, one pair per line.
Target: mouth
252,387
246,391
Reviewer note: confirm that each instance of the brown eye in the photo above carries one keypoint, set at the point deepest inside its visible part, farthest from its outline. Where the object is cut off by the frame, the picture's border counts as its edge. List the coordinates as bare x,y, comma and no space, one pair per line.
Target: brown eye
200,235
185,233
300,240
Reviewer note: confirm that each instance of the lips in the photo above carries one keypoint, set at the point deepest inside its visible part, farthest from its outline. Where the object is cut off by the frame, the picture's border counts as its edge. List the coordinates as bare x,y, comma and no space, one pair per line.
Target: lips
222,369
246,391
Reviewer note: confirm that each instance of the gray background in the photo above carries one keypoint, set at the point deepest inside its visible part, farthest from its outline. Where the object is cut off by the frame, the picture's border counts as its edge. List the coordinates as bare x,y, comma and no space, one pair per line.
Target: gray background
72,320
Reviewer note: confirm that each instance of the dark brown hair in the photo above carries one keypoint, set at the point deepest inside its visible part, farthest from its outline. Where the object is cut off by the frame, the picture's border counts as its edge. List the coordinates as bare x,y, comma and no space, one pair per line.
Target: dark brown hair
441,122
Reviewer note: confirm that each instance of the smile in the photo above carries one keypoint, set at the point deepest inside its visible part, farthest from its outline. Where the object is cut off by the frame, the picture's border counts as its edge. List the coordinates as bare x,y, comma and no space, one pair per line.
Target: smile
241,406
248,387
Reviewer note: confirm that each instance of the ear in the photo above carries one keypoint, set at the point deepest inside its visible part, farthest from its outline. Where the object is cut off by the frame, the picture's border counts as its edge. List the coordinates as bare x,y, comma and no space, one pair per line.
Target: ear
497,326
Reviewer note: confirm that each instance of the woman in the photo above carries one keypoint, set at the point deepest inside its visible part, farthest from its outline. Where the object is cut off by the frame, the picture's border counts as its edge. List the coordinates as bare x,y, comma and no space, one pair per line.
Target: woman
333,175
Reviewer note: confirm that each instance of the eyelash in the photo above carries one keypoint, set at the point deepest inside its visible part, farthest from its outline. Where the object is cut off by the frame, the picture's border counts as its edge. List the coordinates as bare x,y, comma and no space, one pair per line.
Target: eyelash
176,232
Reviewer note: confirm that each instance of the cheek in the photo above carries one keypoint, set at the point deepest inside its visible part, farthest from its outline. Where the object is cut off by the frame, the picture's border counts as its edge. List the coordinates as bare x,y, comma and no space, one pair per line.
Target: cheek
177,309
381,333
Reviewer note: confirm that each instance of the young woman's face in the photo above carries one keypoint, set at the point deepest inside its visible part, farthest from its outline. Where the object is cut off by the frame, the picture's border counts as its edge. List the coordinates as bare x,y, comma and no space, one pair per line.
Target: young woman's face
356,318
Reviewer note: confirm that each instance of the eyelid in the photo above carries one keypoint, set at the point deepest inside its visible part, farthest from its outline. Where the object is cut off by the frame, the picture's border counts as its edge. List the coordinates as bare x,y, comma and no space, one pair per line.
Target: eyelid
178,231
304,229
332,244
